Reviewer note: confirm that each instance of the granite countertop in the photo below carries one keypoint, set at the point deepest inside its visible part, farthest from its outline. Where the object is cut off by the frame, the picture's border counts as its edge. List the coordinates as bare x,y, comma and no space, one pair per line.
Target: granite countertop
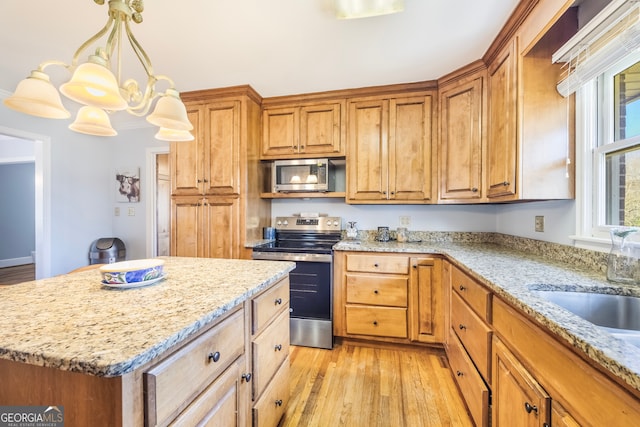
72,322
513,274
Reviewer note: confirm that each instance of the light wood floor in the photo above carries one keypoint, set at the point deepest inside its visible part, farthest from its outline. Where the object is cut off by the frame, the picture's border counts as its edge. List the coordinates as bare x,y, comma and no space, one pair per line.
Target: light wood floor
17,274
361,384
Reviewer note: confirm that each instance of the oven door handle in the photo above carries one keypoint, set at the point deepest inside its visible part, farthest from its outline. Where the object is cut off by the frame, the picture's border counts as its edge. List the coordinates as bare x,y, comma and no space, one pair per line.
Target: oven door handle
287,256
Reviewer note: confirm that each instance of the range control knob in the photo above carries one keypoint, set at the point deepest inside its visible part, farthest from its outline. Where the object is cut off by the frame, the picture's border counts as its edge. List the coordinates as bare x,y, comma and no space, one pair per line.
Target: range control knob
285,222
278,222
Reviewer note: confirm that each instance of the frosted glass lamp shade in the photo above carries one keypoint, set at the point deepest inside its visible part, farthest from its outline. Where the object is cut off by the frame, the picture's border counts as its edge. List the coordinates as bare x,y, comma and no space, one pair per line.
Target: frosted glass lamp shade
170,112
93,121
36,96
172,135
95,85
350,9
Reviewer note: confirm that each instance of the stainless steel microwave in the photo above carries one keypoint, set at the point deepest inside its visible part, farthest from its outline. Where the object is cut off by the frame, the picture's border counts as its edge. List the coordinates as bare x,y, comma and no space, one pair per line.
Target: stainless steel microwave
303,175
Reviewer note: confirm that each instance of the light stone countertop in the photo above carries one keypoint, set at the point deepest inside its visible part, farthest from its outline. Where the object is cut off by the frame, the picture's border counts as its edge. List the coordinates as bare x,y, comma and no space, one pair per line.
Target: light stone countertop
513,274
72,322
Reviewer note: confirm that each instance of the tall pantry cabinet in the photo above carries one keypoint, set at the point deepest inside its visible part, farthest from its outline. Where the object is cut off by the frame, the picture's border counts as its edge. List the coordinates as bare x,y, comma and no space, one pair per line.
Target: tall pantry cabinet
216,179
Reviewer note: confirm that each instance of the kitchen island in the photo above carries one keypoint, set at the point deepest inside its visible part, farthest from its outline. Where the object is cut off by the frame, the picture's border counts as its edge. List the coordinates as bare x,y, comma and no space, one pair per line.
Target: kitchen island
73,342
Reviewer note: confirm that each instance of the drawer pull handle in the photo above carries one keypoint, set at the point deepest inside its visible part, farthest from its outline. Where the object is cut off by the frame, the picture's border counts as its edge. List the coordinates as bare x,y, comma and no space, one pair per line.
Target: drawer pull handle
246,377
279,402
458,373
530,409
375,323
375,292
278,347
278,301
462,288
462,327
214,357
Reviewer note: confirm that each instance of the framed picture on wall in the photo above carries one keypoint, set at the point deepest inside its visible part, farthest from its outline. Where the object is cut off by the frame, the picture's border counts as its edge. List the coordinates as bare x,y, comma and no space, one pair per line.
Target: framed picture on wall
128,184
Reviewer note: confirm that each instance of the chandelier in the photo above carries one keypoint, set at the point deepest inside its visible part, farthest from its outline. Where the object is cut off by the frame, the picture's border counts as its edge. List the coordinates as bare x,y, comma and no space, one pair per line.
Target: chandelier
100,90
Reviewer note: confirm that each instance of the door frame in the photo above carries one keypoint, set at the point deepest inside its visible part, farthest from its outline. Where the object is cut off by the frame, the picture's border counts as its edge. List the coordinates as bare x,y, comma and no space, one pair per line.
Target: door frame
152,202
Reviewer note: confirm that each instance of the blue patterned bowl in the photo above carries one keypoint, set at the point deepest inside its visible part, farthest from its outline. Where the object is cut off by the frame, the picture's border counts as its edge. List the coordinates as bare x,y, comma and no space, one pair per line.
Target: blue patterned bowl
134,271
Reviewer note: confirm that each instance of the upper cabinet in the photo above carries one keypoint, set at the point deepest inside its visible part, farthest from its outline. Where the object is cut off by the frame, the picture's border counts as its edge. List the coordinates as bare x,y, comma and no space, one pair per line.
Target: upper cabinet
303,130
390,149
462,98
530,135
502,136
209,165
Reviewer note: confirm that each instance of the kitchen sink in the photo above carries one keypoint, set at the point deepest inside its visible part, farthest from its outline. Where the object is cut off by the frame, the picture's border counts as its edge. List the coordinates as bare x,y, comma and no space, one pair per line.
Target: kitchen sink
616,314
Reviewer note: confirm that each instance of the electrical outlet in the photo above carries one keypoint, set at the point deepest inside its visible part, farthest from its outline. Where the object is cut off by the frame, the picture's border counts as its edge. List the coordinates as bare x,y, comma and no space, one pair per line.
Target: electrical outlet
132,211
405,221
116,211
539,223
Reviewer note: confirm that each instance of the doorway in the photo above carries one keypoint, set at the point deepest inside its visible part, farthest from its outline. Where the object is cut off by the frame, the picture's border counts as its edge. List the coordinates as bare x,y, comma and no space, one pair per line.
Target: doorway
159,202
42,160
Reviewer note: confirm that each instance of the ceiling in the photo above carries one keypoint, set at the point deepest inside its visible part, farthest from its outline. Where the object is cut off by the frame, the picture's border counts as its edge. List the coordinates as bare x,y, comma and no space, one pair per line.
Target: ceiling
279,47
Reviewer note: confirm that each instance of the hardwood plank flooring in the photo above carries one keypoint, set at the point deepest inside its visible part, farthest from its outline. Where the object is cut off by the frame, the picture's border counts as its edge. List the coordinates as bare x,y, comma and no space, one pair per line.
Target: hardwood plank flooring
17,274
363,384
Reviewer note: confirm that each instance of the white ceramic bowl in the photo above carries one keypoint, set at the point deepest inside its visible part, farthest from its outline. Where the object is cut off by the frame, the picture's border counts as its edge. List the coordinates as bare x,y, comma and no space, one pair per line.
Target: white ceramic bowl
139,270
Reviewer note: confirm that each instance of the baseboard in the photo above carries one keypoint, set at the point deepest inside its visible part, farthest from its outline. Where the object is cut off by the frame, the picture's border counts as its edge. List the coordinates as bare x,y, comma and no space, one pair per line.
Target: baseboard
16,261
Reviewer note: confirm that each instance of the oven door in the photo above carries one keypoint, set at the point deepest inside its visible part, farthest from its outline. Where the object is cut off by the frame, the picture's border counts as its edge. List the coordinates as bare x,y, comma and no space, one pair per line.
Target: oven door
311,295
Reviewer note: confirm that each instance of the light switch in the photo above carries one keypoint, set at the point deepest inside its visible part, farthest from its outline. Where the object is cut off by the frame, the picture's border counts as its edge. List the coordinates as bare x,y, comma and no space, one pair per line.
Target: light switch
132,211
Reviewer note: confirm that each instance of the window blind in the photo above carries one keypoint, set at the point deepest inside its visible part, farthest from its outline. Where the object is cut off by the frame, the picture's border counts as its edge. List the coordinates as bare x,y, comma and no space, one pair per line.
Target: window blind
607,38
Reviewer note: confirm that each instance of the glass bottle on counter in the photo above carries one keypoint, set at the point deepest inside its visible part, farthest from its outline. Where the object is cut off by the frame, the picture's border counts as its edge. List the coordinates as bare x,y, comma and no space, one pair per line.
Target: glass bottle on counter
624,259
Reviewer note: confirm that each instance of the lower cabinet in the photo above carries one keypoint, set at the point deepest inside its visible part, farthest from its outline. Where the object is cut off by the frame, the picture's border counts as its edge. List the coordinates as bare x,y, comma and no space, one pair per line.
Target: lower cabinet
234,374
388,297
270,355
518,398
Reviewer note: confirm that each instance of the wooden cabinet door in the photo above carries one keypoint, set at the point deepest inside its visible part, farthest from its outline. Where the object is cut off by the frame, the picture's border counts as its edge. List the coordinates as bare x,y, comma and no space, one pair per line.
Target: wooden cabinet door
187,158
280,132
320,130
221,228
367,164
410,172
222,175
461,134
426,312
187,234
503,121
518,399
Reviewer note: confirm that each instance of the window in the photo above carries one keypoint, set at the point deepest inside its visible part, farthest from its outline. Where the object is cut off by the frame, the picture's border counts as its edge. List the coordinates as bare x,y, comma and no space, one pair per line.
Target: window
617,154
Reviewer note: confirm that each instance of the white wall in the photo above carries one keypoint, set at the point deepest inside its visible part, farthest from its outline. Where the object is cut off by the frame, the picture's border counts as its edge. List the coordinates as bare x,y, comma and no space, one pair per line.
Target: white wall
519,220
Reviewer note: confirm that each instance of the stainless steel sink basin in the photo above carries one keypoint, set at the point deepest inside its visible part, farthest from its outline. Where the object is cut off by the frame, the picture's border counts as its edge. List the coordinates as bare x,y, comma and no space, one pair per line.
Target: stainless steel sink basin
617,314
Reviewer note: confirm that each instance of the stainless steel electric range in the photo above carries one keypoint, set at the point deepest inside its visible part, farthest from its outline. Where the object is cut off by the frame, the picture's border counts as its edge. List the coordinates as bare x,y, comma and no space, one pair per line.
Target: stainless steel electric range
307,240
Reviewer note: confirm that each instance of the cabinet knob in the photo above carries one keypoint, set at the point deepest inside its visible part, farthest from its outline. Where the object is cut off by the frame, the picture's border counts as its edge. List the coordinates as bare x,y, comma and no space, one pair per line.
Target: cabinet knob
246,377
279,402
278,301
375,323
375,265
393,192
462,288
278,347
530,409
375,292
214,357
474,190
384,192
506,183
458,373
462,327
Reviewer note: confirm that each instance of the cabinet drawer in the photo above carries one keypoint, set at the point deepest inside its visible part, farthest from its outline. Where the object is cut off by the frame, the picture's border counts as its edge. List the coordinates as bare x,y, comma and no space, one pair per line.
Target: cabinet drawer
170,385
377,321
272,405
474,334
270,348
472,387
377,290
378,264
474,294
267,305
219,402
